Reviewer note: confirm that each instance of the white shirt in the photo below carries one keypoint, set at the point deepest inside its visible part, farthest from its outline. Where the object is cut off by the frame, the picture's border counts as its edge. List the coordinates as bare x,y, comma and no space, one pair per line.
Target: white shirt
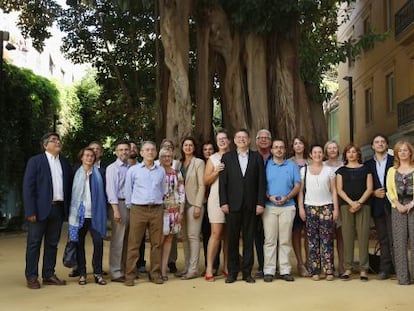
88,197
243,160
57,176
318,187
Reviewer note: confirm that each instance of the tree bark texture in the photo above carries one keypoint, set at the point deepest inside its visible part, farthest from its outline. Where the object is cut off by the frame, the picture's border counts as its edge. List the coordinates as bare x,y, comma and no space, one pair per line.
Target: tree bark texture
258,76
174,27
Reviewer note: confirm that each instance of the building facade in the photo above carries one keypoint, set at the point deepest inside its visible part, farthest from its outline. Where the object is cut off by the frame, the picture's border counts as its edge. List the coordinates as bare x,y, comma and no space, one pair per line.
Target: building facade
376,88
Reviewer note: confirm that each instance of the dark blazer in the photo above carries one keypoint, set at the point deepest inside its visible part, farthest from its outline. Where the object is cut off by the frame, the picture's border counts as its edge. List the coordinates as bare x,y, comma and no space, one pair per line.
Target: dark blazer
240,191
38,188
379,207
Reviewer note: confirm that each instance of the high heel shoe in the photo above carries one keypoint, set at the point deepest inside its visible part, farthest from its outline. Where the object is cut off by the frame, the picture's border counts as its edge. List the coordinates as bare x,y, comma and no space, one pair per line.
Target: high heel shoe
209,278
226,274
99,279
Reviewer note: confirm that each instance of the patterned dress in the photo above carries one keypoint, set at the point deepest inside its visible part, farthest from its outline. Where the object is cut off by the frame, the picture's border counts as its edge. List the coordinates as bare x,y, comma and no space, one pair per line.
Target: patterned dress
173,200
403,229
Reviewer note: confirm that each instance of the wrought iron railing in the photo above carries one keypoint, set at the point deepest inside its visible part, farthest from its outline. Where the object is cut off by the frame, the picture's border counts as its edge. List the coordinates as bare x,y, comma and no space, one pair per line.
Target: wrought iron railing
404,17
406,111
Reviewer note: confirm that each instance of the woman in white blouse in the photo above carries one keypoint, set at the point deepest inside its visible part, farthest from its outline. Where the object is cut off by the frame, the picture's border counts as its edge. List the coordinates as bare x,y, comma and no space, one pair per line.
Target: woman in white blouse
318,207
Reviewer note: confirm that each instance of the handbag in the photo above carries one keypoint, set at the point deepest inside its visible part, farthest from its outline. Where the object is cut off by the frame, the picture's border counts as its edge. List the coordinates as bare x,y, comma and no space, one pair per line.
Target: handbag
69,255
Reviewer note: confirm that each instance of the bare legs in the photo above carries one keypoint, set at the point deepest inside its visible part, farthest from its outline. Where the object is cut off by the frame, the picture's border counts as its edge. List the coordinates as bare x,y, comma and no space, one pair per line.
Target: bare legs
165,253
217,232
297,247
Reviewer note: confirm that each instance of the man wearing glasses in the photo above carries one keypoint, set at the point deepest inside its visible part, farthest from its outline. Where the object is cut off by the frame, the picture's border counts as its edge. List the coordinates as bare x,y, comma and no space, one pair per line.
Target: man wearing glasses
263,143
46,194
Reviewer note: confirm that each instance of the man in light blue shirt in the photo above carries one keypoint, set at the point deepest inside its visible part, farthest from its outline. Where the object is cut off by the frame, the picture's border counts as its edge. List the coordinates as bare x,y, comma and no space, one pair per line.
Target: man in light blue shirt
283,184
115,191
144,193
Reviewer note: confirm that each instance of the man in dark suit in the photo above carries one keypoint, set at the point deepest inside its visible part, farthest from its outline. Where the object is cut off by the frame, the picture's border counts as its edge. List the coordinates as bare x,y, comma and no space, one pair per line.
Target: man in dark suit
242,195
380,206
46,194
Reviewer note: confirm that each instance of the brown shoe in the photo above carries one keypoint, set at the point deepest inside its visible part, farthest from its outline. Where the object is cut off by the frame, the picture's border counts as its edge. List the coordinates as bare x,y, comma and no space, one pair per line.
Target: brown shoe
53,280
33,284
158,280
129,282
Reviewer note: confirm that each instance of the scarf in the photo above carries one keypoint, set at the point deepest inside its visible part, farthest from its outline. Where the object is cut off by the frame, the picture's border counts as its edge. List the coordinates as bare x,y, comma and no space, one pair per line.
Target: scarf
77,207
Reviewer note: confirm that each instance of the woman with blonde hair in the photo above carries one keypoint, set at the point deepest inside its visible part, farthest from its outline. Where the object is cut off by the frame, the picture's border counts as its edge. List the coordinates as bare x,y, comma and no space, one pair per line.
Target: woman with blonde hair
174,200
216,216
354,186
399,183
332,160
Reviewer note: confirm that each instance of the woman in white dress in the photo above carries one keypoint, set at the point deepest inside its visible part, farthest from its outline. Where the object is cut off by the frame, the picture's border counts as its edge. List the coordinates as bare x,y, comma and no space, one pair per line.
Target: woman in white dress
215,214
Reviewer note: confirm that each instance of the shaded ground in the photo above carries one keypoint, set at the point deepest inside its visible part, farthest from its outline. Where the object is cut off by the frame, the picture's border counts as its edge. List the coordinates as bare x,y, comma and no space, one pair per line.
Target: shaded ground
197,294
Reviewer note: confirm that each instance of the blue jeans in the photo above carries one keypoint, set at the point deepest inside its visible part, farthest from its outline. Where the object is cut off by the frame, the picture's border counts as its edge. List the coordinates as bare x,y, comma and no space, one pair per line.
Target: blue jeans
97,249
48,229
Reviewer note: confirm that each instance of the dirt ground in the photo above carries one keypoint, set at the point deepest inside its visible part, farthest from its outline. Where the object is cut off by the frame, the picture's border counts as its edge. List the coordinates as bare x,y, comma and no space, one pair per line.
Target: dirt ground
196,294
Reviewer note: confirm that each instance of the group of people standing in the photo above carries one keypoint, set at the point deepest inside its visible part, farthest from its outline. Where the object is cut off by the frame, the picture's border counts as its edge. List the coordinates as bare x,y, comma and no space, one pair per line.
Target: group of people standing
261,197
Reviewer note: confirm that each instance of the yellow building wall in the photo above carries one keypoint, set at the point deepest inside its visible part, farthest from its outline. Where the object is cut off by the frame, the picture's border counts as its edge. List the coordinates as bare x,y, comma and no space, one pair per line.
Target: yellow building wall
370,69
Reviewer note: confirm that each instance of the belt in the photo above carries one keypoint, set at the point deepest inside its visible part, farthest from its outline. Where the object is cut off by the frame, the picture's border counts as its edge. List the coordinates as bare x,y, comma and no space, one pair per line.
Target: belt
121,199
57,203
148,205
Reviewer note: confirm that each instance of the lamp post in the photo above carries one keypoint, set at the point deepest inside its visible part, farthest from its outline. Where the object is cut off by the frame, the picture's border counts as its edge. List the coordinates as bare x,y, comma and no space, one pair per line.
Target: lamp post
351,108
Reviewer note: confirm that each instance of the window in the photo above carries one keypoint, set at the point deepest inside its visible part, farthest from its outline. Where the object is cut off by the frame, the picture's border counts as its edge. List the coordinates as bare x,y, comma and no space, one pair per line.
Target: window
333,125
368,106
351,57
390,92
367,30
388,15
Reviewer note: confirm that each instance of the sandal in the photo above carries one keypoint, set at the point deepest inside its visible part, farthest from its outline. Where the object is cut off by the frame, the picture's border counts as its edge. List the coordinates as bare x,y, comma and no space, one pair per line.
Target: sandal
99,279
164,278
82,280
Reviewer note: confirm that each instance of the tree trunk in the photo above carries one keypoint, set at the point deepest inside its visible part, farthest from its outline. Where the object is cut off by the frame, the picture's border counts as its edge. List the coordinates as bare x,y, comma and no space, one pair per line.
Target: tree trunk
256,68
228,46
174,28
204,85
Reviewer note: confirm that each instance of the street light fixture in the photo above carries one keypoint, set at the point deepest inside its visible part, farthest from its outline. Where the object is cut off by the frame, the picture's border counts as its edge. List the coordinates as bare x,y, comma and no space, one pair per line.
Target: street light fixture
4,36
351,108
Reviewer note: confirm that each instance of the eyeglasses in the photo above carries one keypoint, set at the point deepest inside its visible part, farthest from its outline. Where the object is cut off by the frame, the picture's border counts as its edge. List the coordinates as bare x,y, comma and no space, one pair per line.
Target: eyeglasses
166,156
263,138
53,140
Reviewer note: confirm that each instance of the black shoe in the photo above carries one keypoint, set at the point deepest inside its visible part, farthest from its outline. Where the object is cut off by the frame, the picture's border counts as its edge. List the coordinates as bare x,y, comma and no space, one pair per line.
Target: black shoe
345,277
287,277
74,274
172,267
383,276
259,274
268,278
249,279
230,279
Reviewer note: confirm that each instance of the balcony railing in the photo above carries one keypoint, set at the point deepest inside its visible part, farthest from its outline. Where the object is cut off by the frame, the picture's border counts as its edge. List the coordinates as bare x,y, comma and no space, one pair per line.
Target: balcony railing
406,111
404,17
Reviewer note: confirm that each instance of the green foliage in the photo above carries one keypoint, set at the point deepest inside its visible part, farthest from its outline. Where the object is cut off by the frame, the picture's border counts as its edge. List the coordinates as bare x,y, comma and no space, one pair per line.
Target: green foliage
120,45
34,19
30,101
261,16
